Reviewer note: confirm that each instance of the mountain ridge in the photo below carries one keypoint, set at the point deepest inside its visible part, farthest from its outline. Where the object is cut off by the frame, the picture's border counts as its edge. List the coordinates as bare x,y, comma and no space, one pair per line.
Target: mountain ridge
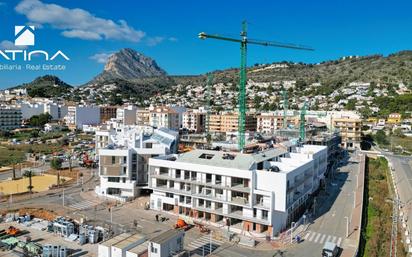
128,64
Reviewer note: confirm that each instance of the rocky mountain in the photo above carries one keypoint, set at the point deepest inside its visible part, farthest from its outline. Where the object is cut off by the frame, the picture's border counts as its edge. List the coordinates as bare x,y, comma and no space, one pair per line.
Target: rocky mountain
127,64
46,86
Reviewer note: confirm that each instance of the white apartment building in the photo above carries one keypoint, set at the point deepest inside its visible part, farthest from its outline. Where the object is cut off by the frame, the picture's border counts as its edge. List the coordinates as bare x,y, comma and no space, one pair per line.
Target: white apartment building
55,110
123,155
10,118
77,116
194,121
261,193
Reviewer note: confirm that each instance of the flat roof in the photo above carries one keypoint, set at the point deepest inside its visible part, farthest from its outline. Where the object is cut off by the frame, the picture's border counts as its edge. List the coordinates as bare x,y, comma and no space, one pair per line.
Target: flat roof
116,239
166,236
229,159
140,248
129,240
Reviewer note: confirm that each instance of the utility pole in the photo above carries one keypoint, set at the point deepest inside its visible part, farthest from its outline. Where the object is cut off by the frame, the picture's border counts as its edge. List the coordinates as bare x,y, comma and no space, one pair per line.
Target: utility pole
347,226
244,41
210,244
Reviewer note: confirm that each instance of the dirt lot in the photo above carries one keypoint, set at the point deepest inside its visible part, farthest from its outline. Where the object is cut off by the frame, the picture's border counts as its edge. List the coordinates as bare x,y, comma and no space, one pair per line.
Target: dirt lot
40,183
43,237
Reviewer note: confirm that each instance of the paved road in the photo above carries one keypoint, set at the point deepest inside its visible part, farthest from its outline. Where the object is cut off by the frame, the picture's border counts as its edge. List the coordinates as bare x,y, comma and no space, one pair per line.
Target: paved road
330,224
403,180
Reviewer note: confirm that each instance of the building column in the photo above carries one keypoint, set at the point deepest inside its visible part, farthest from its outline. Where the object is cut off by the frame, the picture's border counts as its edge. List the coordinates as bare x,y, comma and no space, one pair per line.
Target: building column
247,225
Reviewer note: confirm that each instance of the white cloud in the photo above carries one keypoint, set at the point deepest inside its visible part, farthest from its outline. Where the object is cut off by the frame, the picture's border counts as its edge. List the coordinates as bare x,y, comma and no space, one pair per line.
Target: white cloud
87,35
153,41
77,23
8,45
172,39
101,57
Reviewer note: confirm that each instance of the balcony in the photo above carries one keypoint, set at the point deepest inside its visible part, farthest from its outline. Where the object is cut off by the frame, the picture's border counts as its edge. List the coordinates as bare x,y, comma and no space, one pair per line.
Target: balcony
240,188
240,200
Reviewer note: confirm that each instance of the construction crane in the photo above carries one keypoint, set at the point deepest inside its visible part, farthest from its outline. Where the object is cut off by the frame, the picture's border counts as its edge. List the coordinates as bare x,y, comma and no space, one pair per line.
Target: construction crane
244,41
302,122
285,107
208,108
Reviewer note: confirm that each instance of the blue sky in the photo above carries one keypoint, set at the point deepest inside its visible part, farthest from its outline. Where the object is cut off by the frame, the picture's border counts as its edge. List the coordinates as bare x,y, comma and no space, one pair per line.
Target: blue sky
88,31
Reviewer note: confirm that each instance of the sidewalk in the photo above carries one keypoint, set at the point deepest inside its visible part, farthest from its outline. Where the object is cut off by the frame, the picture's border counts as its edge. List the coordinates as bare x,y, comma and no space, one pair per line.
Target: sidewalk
351,244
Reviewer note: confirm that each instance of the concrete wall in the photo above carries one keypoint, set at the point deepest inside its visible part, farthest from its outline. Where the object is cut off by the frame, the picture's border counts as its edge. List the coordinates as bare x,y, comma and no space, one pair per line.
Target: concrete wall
87,115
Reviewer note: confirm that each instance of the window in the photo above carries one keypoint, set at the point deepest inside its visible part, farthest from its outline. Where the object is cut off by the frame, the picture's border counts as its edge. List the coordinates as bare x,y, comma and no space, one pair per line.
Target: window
153,249
206,156
113,159
169,195
124,159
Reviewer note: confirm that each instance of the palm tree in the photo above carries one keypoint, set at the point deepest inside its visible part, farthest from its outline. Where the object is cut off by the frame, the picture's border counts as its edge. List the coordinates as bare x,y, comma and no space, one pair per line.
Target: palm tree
29,174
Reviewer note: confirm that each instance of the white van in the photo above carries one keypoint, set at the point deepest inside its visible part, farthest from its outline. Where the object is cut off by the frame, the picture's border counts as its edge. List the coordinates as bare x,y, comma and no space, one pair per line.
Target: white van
330,250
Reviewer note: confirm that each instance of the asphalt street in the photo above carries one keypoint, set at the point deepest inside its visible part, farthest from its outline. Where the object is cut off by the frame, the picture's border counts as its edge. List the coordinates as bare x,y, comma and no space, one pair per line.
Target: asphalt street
402,166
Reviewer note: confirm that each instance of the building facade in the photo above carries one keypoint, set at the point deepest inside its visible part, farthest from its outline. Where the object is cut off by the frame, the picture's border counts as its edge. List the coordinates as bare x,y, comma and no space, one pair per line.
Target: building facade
261,192
77,116
107,113
194,121
229,122
270,123
164,117
350,130
123,158
10,118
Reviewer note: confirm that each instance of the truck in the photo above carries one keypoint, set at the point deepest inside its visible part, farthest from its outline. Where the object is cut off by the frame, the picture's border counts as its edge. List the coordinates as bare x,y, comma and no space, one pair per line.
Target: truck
330,250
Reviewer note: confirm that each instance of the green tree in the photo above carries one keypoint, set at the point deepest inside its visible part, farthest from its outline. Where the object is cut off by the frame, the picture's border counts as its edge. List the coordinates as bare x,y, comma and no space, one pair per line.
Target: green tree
56,163
40,120
381,138
351,105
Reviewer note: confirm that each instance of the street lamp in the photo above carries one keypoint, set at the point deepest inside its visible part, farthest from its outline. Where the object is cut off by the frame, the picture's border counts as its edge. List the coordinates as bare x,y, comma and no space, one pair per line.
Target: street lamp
347,226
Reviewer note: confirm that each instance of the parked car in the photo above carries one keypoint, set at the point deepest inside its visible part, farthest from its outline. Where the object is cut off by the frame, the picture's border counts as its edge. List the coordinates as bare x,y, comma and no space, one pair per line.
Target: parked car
330,250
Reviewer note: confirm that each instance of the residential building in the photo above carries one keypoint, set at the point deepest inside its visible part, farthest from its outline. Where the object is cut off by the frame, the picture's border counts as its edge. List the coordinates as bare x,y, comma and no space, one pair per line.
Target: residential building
194,121
123,158
394,118
261,192
229,122
350,130
143,117
57,111
126,115
269,123
80,115
333,143
107,113
164,117
169,243
10,118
